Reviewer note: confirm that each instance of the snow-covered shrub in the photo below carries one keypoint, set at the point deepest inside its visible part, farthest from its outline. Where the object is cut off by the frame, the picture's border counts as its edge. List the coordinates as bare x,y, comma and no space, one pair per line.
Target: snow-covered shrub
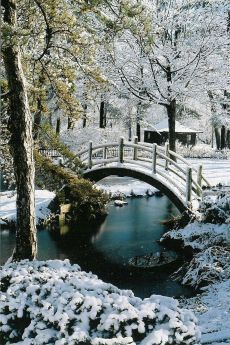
201,151
206,267
216,210
54,302
200,236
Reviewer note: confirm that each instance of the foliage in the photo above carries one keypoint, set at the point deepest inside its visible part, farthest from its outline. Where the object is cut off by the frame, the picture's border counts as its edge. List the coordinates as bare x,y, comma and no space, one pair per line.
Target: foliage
54,302
87,201
48,139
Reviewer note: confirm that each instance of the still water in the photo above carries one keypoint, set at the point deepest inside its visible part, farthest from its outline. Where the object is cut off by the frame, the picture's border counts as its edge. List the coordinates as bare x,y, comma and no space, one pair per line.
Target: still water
105,249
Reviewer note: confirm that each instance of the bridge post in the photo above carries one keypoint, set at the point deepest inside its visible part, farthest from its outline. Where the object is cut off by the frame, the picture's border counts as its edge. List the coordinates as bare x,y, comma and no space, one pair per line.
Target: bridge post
167,155
189,185
199,178
90,150
135,149
121,150
199,175
154,159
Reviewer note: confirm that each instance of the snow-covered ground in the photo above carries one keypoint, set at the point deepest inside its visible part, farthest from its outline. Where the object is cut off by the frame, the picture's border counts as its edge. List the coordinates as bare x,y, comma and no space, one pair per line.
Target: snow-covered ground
215,170
125,185
8,205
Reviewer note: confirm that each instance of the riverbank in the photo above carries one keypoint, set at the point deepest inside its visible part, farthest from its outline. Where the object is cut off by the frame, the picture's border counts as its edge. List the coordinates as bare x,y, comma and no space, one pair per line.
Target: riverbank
8,206
208,271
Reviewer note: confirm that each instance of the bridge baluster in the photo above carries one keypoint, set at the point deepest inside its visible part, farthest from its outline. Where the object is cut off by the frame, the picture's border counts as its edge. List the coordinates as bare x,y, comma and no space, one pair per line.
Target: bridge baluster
135,149
90,150
121,150
105,153
154,159
189,185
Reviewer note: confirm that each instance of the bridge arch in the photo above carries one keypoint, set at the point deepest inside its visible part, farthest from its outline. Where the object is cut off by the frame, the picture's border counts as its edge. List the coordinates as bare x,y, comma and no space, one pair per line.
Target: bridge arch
99,173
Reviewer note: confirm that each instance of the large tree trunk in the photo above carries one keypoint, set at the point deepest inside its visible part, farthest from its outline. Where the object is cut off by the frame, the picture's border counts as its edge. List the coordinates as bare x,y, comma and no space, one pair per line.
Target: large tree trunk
171,112
21,143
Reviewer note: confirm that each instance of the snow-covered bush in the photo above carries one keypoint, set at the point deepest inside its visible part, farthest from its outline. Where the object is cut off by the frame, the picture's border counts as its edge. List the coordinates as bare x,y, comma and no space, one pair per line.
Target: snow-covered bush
200,236
216,210
206,267
201,151
54,302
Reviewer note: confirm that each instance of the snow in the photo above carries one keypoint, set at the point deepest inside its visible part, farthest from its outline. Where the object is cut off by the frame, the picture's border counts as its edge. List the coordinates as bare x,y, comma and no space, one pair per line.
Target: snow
126,186
215,170
8,205
60,304
163,127
209,265
200,236
120,203
212,309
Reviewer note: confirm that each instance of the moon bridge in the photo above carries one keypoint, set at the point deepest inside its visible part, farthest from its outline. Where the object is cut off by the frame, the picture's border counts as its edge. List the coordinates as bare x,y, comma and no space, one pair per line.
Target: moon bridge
156,165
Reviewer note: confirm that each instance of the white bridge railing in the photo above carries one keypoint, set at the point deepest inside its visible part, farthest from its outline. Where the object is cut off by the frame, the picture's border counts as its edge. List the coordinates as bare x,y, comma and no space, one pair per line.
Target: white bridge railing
152,159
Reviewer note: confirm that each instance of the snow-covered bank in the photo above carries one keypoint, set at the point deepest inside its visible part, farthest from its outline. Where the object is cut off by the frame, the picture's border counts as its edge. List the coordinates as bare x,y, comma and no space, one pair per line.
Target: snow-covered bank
209,266
126,186
60,304
212,309
8,205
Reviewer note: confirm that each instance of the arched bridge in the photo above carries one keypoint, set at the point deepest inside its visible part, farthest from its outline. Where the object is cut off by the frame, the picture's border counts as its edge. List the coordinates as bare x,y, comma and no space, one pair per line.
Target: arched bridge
158,166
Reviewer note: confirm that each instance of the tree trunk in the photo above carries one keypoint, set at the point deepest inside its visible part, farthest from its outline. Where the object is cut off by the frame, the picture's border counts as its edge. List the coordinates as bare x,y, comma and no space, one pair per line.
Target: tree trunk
58,125
217,136
228,139
138,130
21,144
84,115
171,112
138,118
223,138
102,123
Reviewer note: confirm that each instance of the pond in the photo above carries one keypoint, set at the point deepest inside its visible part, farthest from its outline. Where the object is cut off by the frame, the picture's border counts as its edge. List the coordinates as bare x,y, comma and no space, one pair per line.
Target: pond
105,249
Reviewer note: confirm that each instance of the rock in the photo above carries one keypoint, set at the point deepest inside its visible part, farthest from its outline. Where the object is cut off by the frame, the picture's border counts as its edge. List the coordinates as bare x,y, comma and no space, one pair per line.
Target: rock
158,259
120,203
